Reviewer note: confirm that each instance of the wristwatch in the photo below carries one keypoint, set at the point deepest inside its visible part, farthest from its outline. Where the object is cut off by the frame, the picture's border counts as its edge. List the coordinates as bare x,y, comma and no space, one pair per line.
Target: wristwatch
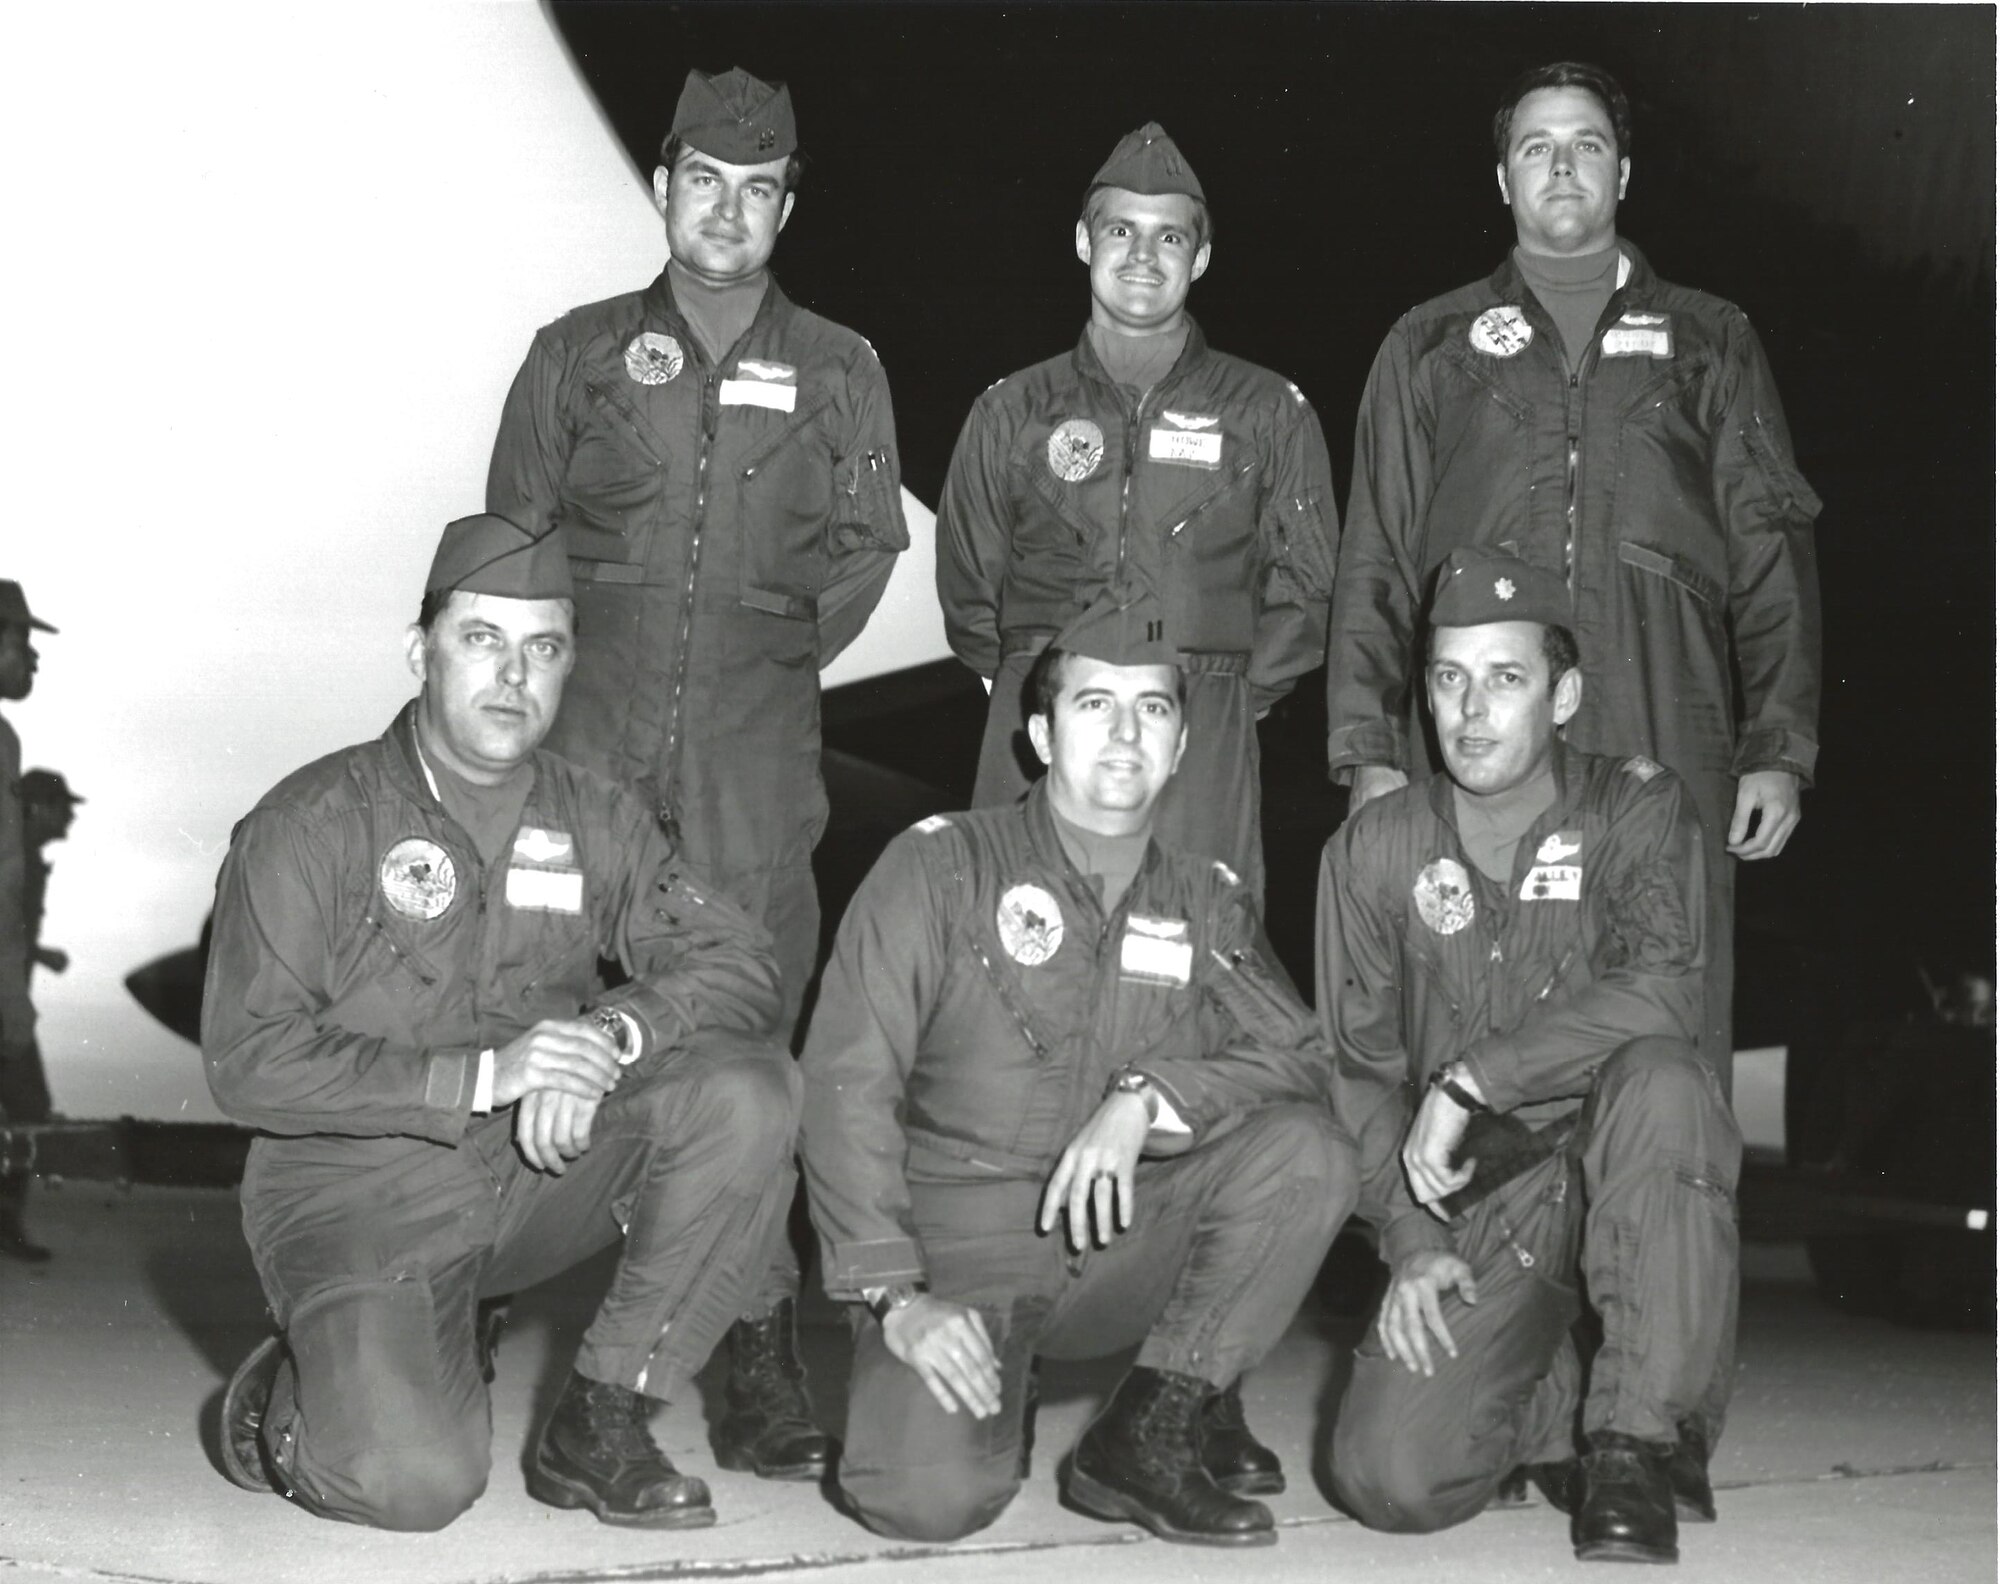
881,1302
1129,1080
1457,1093
618,1029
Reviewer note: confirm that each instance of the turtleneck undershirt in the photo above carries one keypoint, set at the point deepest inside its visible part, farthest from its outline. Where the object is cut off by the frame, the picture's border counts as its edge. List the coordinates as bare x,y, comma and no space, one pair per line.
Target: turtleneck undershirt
718,315
1138,362
1574,291
1110,863
1490,828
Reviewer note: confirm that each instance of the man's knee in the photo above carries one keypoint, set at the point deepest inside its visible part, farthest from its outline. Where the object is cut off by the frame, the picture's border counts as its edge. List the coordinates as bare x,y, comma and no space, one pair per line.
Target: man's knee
1393,1484
941,1502
741,1089
1666,1084
1303,1149
417,1489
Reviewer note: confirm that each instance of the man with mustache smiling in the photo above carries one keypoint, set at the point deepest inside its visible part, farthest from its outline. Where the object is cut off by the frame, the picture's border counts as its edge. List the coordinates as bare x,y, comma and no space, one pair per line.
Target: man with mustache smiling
405,997
1519,942
722,464
1058,1102
1626,434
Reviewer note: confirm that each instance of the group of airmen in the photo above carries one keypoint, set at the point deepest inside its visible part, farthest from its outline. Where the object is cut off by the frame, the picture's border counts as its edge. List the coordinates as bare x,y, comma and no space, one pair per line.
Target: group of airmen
522,979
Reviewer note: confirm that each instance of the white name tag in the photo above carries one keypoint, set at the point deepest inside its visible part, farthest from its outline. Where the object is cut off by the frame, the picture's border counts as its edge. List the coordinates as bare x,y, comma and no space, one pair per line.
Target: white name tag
545,890
1156,950
1553,883
1199,448
759,393
1629,341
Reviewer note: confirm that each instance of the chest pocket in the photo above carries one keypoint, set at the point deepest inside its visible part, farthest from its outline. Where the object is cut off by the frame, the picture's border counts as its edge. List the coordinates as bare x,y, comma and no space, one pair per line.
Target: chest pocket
785,479
612,480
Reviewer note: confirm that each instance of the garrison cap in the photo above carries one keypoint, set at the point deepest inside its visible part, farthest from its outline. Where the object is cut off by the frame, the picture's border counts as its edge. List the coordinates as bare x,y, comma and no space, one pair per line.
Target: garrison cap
47,786
1146,161
495,555
1128,629
735,117
14,607
1477,585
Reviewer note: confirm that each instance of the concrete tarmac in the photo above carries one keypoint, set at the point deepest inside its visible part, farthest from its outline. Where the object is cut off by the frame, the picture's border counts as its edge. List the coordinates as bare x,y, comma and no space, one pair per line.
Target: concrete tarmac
1856,1450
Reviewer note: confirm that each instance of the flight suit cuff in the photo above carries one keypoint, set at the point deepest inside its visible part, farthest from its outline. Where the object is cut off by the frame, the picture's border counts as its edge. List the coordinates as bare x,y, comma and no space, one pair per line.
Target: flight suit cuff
1414,1232
1774,748
877,1262
450,1083
660,1026
1496,1070
1351,747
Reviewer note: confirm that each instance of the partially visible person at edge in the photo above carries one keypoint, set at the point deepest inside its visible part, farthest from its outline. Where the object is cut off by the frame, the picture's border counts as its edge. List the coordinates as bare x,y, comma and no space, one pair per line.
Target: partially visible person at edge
1143,459
48,809
24,1087
406,998
1510,973
1060,1103
723,467
1625,433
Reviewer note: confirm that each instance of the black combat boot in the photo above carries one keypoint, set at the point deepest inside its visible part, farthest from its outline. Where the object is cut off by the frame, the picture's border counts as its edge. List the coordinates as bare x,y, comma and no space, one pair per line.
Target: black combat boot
767,1424
1559,1482
596,1452
243,1406
1235,1459
1141,1459
1625,1512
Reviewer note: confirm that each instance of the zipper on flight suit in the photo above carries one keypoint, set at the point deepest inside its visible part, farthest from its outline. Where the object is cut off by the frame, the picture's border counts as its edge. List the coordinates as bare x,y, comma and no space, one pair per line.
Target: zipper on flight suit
1135,418
710,421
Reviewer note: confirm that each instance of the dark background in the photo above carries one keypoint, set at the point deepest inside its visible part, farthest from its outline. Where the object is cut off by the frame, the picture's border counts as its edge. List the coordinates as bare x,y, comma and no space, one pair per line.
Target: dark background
1829,168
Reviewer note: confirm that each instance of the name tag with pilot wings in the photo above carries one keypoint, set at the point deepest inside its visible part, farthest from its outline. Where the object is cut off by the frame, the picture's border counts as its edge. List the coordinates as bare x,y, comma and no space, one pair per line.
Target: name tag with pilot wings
543,876
1156,951
760,384
1188,439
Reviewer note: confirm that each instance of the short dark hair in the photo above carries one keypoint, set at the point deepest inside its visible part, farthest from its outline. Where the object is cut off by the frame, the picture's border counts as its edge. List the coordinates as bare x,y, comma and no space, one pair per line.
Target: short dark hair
1560,650
1204,222
673,146
1594,80
435,600
1043,684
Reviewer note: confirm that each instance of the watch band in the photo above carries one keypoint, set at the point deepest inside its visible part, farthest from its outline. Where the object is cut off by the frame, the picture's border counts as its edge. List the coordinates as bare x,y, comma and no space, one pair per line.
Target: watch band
618,1030
1130,1080
1458,1094
884,1301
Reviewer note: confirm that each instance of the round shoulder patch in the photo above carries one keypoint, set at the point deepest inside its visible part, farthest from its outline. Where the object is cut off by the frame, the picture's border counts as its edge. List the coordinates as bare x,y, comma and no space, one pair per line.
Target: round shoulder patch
653,358
1076,446
1501,332
1444,896
418,878
1031,925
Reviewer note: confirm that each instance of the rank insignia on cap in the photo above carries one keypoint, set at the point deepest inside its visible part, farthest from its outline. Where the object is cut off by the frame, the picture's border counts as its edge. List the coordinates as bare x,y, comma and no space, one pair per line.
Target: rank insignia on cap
736,117
652,358
1478,584
1149,162
1504,588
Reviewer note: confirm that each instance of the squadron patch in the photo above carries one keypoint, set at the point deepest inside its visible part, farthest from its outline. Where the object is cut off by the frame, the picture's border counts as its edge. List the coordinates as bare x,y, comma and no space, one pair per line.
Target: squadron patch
652,358
1443,895
1031,925
1501,332
1075,448
1642,767
418,878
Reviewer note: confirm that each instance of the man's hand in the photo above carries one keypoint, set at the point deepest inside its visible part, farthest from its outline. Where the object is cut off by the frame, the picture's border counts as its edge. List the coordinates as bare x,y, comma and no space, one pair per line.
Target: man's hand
1097,1166
53,958
568,1055
1769,799
1371,782
552,1128
1411,1313
947,1345
1428,1148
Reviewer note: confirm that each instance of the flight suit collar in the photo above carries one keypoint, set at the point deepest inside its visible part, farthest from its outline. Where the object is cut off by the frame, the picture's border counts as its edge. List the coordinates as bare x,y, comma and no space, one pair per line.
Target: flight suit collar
1090,366
1509,285
658,302
1048,851
1440,788
405,768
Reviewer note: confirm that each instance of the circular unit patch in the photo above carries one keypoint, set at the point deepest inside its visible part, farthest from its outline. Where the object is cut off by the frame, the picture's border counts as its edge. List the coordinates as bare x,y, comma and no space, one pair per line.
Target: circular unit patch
1031,925
1501,332
418,878
652,358
1444,896
1076,446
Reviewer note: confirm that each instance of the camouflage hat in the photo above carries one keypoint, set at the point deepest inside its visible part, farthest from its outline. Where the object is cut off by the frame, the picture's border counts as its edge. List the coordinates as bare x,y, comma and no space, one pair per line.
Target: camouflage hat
735,117
1146,161
1128,629
493,555
46,786
14,607
1478,585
